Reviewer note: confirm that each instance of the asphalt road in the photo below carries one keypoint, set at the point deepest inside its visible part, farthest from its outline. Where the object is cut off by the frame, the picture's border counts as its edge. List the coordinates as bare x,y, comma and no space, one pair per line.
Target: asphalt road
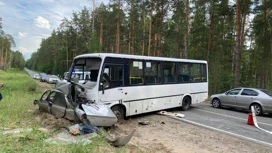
229,121
31,73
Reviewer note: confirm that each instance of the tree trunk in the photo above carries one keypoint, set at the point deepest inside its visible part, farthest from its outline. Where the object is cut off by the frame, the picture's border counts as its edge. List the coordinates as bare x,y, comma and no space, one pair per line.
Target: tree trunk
150,31
101,37
118,50
133,37
178,39
143,39
238,46
160,20
211,34
187,30
129,39
244,16
266,52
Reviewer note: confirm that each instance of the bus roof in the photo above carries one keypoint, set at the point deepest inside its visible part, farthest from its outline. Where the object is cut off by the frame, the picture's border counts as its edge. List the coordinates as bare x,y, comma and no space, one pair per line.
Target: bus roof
104,55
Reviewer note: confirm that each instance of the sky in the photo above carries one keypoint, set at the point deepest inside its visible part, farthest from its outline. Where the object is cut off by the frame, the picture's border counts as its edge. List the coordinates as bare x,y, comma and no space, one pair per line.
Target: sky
29,21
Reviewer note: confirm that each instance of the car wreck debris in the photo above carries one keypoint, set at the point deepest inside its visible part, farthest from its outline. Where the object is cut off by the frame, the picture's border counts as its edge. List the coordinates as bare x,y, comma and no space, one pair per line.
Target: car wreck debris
67,101
72,135
120,140
143,122
178,115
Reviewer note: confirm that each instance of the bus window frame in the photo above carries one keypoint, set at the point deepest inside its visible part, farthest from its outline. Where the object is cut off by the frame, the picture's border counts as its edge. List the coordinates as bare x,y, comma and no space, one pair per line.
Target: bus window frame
102,71
158,73
174,73
129,72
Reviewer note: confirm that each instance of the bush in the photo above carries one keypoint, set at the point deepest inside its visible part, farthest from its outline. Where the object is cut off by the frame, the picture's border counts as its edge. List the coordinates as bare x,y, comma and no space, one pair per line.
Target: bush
31,86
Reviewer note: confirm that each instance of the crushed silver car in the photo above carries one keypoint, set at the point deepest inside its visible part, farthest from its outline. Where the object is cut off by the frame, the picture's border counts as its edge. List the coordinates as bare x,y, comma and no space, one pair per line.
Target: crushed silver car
68,101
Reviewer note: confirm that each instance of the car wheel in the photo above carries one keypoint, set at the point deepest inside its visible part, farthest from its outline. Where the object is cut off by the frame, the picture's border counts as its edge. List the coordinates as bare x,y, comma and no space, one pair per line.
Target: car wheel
186,103
258,109
119,112
216,103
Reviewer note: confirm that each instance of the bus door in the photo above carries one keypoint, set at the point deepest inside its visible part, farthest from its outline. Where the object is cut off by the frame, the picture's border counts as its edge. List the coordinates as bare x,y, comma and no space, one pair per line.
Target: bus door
112,83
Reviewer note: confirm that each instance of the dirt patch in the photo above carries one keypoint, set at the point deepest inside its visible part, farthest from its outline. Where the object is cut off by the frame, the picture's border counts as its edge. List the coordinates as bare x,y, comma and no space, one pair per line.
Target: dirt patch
49,121
43,85
165,134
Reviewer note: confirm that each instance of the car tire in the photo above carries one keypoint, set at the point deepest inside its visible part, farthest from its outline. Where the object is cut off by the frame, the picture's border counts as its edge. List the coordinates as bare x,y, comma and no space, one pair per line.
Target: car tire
258,109
216,103
119,112
186,103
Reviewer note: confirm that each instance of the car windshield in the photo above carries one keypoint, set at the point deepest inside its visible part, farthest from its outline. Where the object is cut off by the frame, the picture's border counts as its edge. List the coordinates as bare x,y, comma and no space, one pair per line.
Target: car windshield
269,93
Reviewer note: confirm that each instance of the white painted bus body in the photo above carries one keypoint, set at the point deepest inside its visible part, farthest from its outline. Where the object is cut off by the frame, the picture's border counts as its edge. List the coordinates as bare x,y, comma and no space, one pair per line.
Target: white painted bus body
145,98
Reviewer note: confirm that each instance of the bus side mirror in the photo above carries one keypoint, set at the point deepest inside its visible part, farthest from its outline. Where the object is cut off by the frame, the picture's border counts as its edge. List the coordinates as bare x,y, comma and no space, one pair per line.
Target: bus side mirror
102,87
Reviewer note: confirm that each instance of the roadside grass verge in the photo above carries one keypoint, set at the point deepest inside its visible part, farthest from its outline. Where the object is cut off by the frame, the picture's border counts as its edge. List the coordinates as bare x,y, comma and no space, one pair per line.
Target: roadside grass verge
18,112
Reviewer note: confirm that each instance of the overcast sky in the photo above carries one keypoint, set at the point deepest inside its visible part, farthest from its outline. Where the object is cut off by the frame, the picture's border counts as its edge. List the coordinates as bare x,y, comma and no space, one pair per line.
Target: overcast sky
28,21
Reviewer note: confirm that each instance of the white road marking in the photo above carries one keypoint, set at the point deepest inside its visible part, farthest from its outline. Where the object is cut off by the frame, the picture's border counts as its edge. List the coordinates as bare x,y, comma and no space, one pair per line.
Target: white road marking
230,116
222,131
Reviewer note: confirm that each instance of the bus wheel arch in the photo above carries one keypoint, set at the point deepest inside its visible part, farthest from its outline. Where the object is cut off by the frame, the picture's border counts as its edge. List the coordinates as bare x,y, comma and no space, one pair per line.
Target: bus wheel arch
120,111
186,103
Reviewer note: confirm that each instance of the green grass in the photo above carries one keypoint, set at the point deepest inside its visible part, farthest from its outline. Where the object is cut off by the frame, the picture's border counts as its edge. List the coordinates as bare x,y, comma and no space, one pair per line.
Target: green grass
17,111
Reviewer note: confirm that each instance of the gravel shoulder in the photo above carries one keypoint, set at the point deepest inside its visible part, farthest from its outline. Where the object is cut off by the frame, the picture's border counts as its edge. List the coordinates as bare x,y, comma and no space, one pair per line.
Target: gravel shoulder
165,134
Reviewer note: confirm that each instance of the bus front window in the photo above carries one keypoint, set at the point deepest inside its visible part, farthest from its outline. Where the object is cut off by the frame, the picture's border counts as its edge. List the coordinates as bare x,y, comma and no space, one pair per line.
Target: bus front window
86,69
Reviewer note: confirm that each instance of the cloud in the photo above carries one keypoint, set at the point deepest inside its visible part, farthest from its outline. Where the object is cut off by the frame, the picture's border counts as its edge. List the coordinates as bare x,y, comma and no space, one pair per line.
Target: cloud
24,50
37,19
42,22
22,34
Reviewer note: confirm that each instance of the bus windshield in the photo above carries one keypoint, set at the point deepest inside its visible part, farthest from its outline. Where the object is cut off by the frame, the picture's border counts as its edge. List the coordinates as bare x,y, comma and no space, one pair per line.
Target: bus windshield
86,69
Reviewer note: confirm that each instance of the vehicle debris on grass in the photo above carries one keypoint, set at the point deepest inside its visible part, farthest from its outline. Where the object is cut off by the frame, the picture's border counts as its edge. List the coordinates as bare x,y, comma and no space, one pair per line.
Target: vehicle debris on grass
75,107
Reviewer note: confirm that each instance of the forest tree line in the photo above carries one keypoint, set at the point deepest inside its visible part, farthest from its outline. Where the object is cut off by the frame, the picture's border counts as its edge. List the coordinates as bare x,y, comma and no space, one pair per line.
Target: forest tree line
235,37
8,57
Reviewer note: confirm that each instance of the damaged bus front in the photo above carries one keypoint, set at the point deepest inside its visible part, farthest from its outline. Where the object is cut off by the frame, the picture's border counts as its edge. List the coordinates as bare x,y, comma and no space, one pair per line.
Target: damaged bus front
76,100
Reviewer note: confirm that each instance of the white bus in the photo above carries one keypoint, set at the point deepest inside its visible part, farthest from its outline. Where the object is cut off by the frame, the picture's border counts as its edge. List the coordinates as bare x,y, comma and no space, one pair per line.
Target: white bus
132,84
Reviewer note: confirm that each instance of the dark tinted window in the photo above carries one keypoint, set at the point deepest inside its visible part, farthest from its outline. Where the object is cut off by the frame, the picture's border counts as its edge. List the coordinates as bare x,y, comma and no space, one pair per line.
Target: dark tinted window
152,73
204,72
169,73
249,92
112,75
184,73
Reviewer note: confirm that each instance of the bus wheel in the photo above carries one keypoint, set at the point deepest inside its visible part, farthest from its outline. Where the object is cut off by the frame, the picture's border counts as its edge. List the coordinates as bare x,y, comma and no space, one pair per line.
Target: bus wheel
186,103
119,112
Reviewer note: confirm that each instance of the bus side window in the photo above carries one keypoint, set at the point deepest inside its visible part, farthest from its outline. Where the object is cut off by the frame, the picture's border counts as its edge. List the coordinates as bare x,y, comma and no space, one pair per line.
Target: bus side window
169,73
183,76
151,70
195,71
136,73
113,74
204,72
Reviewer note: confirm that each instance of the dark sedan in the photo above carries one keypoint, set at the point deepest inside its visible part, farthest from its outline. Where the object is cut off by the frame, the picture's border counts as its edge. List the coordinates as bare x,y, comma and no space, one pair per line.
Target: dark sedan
244,98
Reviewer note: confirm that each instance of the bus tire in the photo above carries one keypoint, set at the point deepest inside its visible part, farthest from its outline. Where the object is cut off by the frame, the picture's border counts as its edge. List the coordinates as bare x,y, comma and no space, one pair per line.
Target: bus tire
186,103
119,111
